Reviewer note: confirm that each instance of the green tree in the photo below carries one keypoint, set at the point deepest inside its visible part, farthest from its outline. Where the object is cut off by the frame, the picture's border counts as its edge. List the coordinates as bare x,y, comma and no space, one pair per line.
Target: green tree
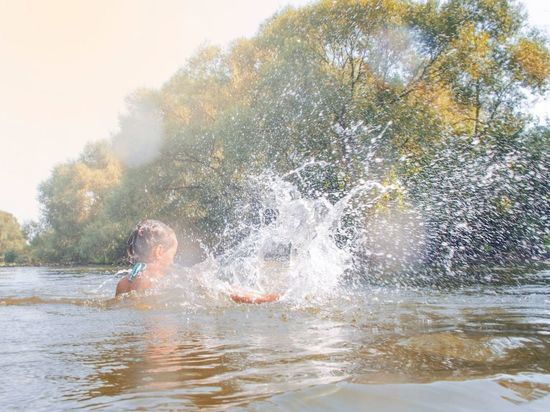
13,246
73,197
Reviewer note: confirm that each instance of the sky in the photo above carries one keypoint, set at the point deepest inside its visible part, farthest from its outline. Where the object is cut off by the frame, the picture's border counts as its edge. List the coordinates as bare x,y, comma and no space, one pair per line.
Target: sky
66,67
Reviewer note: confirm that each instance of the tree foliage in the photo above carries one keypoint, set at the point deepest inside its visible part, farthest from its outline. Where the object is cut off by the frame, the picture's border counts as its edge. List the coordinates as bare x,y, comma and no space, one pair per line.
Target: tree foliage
444,83
13,246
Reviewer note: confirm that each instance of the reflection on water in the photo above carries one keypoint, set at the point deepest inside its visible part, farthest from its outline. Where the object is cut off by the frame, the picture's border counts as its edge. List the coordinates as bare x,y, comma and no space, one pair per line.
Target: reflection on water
468,349
524,390
209,364
469,395
181,371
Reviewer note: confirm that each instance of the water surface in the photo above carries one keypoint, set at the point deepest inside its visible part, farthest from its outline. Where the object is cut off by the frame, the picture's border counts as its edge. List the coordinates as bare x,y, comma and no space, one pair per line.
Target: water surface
65,343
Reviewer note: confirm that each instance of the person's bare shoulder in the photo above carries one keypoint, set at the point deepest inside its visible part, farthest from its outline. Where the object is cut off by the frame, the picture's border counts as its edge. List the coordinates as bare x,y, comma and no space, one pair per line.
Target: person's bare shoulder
123,286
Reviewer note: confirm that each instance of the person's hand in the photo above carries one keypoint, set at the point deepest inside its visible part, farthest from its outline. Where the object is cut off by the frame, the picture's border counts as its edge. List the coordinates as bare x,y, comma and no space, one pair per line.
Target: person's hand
254,298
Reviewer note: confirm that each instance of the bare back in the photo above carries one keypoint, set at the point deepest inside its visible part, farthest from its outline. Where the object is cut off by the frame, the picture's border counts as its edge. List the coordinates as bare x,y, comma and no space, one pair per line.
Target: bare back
140,283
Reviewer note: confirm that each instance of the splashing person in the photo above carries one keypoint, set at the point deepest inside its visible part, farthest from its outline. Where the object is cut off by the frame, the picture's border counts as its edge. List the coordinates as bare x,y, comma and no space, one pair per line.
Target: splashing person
152,247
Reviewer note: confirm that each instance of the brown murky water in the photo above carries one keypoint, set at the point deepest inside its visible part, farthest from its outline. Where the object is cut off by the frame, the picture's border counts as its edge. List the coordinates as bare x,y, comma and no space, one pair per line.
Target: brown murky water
65,344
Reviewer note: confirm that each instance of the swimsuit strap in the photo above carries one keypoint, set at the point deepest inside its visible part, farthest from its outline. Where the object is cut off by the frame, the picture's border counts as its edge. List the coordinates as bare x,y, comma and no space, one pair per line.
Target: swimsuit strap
136,269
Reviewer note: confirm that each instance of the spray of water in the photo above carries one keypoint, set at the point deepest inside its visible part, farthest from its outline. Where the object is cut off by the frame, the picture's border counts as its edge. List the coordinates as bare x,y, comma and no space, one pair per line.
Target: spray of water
288,243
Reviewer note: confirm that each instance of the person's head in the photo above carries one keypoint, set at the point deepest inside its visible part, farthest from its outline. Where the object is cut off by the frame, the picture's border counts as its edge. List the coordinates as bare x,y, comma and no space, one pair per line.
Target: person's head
152,242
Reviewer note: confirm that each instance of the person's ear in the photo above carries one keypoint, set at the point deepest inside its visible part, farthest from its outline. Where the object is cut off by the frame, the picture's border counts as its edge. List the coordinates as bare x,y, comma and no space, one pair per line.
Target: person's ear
158,251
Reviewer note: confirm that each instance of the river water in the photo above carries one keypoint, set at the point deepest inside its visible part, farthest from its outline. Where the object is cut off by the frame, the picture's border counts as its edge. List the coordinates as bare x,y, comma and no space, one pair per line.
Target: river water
65,344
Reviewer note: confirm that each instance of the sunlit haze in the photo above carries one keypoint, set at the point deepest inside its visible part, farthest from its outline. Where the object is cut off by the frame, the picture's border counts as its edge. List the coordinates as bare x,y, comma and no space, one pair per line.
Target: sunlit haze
68,65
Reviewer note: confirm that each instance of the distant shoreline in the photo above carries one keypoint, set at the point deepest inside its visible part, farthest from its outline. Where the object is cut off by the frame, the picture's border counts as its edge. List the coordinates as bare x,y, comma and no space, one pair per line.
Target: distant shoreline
63,265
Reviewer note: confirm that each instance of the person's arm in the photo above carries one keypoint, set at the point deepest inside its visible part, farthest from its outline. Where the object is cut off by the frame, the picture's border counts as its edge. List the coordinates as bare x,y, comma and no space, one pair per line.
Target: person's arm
123,286
254,298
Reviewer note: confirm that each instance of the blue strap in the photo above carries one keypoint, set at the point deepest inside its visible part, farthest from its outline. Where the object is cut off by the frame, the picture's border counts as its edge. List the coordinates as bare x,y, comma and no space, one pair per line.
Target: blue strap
138,267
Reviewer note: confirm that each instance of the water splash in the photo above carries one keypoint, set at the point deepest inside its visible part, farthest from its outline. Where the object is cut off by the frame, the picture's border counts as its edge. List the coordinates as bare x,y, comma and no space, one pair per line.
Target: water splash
289,243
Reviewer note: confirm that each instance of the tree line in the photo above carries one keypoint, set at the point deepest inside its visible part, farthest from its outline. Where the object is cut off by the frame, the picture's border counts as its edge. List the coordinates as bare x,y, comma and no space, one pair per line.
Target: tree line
432,95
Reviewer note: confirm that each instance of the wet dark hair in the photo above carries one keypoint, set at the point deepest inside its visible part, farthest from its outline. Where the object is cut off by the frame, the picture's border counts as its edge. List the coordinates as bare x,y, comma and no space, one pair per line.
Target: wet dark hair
148,234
